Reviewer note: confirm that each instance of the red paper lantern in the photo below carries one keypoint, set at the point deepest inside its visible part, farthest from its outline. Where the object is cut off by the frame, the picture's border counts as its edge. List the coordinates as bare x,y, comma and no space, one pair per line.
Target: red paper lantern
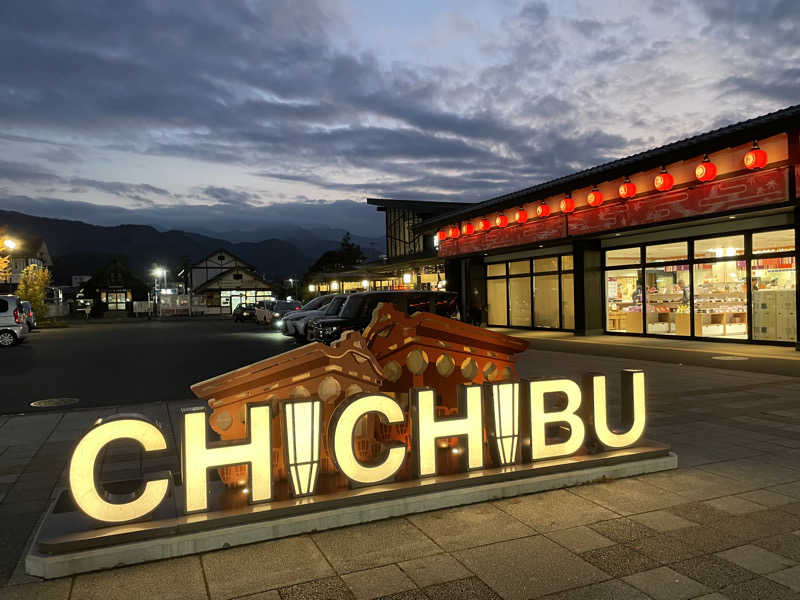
454,232
485,225
543,210
468,229
755,159
627,190
663,182
594,198
706,171
567,205
521,215
501,220
442,235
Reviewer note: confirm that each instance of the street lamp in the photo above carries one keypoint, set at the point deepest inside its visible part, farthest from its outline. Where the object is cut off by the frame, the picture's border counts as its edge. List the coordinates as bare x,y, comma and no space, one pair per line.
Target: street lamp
9,244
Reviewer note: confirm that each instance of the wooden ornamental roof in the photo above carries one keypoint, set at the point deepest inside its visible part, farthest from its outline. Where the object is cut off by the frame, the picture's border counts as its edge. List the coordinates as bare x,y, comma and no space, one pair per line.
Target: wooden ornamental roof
430,350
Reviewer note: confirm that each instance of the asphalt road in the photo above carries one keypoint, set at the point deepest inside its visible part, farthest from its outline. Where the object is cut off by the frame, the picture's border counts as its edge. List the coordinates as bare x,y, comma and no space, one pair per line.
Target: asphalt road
106,364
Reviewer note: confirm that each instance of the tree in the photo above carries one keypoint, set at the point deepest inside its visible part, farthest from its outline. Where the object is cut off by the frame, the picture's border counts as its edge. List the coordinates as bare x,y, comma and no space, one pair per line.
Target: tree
347,257
33,287
5,268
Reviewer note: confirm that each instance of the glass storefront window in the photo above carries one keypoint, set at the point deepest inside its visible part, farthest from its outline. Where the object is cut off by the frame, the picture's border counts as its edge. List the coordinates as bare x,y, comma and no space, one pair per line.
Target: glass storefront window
720,299
667,252
567,301
623,256
667,298
519,267
721,247
624,296
566,262
496,270
545,265
545,301
519,301
497,301
773,241
774,298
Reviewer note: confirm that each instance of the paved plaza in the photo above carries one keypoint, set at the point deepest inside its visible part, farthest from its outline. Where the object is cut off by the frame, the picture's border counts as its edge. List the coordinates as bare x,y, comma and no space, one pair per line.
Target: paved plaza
726,524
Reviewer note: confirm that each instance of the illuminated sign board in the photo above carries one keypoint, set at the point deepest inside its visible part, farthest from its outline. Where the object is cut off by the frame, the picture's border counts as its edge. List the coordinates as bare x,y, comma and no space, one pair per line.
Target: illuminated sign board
513,422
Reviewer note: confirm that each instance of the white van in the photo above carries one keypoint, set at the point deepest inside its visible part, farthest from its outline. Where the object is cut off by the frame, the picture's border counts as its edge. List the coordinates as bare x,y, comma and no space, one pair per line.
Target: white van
13,328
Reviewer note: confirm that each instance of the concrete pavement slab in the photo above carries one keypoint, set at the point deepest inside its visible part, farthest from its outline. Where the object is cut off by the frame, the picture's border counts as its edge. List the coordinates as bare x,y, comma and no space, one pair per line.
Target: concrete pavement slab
785,544
259,567
431,570
628,496
664,549
767,498
365,546
580,539
608,590
174,579
57,589
558,509
788,577
377,582
467,526
665,584
622,530
661,520
529,567
735,505
756,559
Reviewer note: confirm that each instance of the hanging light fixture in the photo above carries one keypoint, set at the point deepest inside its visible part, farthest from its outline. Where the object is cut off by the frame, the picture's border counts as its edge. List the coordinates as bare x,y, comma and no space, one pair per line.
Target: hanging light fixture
663,182
595,197
543,210
442,235
627,189
468,229
706,170
501,220
521,215
454,232
567,204
484,224
755,158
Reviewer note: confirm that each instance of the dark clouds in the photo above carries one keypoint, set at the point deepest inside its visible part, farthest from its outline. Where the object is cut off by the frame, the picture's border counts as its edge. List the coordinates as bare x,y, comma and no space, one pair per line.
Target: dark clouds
256,96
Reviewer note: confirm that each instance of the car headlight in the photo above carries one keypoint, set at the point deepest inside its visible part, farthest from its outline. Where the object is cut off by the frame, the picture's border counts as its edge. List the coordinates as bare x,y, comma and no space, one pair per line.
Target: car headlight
276,314
279,323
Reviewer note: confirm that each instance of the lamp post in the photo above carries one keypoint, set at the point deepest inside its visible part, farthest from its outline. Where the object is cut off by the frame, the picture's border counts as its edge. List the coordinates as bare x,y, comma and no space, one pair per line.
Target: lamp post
158,272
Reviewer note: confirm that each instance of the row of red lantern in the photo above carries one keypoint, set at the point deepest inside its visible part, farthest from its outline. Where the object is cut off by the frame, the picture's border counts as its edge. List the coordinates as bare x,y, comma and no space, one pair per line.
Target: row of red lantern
663,182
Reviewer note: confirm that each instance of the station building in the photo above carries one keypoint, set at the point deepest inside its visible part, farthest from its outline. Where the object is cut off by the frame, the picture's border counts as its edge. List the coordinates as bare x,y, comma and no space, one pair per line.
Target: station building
696,239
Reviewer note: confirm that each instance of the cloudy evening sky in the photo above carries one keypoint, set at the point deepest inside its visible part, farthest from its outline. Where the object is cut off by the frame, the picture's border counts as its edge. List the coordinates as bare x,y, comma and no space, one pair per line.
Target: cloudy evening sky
217,114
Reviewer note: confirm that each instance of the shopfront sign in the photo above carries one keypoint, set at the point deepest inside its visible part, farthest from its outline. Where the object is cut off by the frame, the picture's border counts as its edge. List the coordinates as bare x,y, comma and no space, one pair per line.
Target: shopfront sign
498,424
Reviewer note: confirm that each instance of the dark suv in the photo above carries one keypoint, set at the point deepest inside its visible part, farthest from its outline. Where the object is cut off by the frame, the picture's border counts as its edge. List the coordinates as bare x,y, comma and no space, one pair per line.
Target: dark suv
356,312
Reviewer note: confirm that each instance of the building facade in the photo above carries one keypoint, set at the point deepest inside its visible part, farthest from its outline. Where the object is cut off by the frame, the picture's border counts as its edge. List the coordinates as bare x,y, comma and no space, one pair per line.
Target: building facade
28,251
225,281
696,239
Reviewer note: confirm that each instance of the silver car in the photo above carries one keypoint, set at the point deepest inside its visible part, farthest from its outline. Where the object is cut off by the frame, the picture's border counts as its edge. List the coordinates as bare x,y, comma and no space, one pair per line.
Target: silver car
294,323
13,328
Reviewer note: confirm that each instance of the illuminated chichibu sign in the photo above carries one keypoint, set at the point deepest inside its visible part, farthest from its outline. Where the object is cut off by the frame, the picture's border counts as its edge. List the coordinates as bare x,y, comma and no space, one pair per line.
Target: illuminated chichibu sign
502,426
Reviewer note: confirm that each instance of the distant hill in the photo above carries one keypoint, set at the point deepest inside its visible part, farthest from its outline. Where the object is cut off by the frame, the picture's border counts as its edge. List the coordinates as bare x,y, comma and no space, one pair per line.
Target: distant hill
79,248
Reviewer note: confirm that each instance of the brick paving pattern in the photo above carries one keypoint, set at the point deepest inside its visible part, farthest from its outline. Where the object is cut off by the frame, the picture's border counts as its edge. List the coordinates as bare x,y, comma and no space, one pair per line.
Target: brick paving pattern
726,524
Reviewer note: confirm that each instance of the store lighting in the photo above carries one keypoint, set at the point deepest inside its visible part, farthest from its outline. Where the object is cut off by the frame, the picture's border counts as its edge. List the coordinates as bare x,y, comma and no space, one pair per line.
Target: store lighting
406,278
335,285
755,158
365,284
594,198
10,244
312,288
663,182
706,170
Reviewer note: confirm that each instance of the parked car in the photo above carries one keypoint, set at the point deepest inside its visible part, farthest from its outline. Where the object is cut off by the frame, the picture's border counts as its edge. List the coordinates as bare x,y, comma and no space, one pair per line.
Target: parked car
244,312
356,312
30,317
316,306
300,324
13,328
269,312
